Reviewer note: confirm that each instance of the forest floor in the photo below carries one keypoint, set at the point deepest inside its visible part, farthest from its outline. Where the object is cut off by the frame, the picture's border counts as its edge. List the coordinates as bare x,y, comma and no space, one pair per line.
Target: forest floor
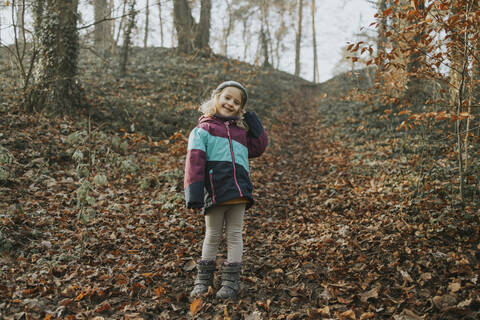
93,226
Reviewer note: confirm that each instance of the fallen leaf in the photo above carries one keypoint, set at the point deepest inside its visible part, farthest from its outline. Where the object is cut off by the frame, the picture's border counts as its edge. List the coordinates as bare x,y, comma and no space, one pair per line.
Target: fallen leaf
426,276
350,314
82,295
103,308
255,315
196,306
190,265
159,291
367,315
465,303
454,287
344,300
406,277
225,313
373,293
407,314
445,301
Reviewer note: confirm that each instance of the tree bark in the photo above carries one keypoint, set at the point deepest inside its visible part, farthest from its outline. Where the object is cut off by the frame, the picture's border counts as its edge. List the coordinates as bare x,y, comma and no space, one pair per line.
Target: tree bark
315,58
56,88
264,34
382,28
159,4
147,21
122,21
127,38
20,22
298,38
415,92
263,39
184,25
191,35
227,30
202,37
245,36
102,32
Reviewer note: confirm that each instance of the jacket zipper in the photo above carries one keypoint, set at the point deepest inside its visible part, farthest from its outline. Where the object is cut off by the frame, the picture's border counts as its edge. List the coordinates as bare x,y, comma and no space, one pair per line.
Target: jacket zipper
233,159
211,184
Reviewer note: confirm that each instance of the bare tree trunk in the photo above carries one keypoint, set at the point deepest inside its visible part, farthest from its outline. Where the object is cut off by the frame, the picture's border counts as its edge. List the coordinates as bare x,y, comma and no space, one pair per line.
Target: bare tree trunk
127,38
20,21
147,18
159,4
184,25
57,90
227,30
102,32
415,92
279,35
245,37
263,39
315,58
191,35
264,34
459,57
382,29
461,162
266,9
20,39
298,38
476,60
122,21
202,36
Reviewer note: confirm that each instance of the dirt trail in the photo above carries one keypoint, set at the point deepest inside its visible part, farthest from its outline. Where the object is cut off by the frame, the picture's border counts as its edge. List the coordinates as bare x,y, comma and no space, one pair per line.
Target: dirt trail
328,242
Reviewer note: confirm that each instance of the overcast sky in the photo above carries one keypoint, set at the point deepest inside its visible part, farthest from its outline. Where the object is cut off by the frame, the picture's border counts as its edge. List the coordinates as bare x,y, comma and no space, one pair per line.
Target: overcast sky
337,22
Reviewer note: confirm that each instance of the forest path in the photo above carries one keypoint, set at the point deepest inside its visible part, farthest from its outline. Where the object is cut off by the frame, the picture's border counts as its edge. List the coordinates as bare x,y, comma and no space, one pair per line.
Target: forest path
304,220
330,236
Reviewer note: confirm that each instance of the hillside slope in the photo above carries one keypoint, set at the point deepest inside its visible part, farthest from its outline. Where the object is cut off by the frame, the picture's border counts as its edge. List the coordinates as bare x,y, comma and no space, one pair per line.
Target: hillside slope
93,224
162,90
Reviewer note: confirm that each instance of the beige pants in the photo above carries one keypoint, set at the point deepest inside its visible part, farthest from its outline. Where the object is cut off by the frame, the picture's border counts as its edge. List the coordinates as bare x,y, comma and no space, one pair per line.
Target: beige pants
230,216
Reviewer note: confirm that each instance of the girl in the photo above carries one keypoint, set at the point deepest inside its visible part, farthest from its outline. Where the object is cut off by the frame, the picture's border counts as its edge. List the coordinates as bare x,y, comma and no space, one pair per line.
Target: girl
217,179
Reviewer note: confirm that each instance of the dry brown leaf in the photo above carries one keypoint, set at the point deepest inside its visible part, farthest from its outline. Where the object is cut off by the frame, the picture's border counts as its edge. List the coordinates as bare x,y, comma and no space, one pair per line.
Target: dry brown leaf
196,306
426,276
103,308
454,287
367,315
190,265
350,314
372,293
225,313
82,295
344,300
325,311
159,291
445,301
407,314
255,315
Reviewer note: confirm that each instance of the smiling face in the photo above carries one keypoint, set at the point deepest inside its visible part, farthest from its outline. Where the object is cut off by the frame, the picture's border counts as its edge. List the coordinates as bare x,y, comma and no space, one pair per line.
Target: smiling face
229,102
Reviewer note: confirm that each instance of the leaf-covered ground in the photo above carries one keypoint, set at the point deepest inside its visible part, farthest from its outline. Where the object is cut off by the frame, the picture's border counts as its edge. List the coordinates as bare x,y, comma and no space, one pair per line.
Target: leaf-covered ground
92,226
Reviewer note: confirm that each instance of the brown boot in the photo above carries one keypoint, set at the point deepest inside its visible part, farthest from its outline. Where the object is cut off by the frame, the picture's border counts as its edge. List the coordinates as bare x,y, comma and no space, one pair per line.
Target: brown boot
205,270
230,281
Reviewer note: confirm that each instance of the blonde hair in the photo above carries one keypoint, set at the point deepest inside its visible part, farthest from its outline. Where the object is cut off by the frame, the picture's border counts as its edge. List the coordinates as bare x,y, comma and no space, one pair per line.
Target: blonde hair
209,108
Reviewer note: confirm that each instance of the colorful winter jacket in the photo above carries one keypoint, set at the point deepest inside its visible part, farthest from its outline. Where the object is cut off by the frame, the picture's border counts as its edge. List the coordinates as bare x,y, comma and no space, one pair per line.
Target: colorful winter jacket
216,168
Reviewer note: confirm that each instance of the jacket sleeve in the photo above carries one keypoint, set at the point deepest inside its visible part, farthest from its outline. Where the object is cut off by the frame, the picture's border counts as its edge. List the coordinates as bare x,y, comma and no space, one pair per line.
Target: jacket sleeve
257,139
195,168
